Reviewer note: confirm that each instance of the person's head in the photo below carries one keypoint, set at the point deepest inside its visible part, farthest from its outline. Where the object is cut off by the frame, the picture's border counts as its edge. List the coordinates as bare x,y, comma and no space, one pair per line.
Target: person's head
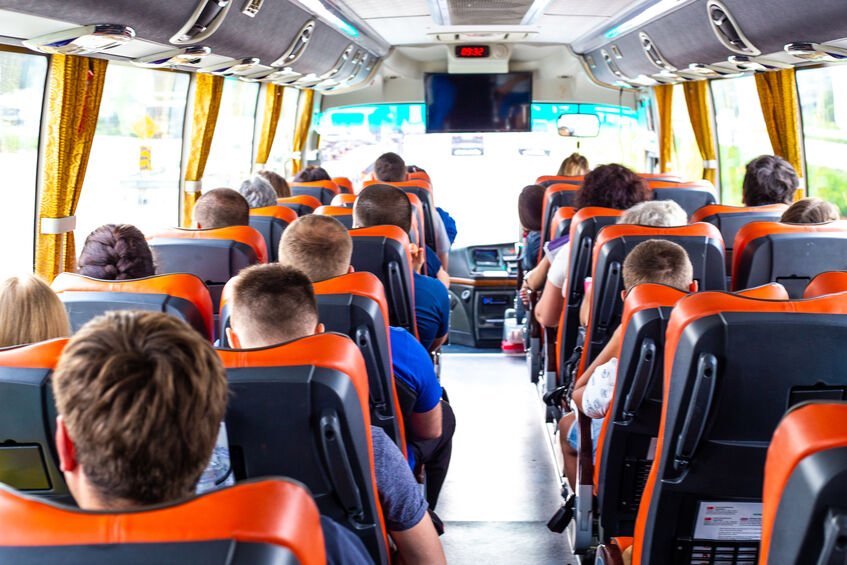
381,205
810,211
312,173
271,304
530,203
140,398
221,208
278,183
30,312
612,186
320,246
116,253
574,165
656,213
658,261
390,167
769,180
258,192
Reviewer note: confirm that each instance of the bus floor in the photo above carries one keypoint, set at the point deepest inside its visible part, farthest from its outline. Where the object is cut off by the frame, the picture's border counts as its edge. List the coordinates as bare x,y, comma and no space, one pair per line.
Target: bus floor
502,484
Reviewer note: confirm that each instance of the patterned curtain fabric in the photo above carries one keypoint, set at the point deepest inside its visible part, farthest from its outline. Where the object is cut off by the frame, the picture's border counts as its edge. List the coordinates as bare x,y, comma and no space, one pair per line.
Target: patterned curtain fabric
780,107
207,102
270,119
301,130
664,101
697,100
75,89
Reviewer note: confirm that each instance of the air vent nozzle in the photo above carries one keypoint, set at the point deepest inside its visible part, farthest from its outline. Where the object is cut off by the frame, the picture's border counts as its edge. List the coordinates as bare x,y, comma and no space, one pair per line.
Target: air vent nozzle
653,53
728,31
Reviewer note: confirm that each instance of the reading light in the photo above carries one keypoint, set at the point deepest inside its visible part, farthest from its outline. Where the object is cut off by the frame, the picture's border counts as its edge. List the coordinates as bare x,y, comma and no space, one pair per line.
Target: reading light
297,47
185,56
319,9
653,53
272,75
654,11
709,71
231,67
339,64
816,52
728,31
82,40
756,64
205,20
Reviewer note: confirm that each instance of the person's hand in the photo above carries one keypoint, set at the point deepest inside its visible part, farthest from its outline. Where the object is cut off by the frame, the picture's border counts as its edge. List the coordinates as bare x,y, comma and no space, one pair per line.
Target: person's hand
418,257
524,294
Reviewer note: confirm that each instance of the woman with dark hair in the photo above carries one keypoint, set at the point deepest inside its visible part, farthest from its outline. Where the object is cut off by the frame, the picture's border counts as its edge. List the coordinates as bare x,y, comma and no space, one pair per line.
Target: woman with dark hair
530,203
311,174
116,252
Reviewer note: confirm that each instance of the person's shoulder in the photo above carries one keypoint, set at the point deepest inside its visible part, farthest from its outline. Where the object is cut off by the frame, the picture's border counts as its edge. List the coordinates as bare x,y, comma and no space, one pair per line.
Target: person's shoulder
342,545
430,286
406,350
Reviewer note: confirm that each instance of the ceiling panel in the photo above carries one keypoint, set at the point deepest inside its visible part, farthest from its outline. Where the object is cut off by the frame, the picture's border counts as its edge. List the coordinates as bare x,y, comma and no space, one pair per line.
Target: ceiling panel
403,31
367,9
605,8
564,29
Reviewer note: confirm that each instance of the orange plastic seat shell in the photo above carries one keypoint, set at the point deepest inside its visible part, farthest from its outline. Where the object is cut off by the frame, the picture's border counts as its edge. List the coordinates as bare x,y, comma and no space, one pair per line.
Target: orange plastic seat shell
249,512
242,234
328,184
277,211
713,209
344,184
179,285
829,282
803,432
41,355
545,178
701,305
413,182
341,199
333,211
561,215
420,175
303,199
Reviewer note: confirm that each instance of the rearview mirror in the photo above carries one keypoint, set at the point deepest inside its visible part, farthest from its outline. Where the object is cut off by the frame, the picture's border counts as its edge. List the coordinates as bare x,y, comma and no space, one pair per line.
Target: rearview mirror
578,125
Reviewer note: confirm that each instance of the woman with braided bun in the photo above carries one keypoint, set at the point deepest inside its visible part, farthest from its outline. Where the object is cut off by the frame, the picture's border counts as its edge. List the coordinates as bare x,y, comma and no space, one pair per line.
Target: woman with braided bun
116,252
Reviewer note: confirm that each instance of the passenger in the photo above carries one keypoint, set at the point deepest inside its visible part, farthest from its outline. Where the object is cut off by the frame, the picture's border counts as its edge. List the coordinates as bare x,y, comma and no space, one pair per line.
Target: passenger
446,219
390,167
278,183
530,212
221,208
30,312
312,173
574,165
116,253
609,186
769,180
381,204
810,211
127,387
321,247
652,261
258,192
274,304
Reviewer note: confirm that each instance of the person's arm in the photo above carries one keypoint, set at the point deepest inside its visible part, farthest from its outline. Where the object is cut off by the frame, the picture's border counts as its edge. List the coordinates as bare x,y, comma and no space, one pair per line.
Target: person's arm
419,545
437,342
611,350
549,307
426,425
585,306
443,277
535,278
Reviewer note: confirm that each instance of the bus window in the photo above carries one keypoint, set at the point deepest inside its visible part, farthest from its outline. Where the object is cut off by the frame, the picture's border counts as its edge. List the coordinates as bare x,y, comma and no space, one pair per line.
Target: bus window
468,168
742,134
133,171
825,132
278,161
685,157
22,80
231,156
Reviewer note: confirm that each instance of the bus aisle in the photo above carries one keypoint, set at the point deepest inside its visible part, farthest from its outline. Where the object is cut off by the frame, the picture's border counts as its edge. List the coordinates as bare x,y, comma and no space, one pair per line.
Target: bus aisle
501,487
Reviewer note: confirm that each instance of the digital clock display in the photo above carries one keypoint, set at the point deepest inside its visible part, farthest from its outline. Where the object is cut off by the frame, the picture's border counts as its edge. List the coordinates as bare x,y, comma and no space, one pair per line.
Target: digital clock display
472,51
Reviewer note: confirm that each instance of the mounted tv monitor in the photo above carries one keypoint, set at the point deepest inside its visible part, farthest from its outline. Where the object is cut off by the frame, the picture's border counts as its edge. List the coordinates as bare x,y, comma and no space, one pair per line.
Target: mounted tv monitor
478,102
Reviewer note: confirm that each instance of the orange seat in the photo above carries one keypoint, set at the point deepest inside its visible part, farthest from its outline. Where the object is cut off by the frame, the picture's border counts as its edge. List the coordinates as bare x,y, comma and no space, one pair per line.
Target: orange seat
345,185
268,521
733,365
548,180
302,204
790,254
555,196
240,234
560,225
804,493
345,200
418,222
182,295
343,215
830,282
271,221
691,196
420,175
300,409
323,190
416,182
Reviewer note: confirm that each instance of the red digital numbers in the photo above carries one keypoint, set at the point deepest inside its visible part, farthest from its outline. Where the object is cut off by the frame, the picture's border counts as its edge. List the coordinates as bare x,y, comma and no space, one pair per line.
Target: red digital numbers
473,52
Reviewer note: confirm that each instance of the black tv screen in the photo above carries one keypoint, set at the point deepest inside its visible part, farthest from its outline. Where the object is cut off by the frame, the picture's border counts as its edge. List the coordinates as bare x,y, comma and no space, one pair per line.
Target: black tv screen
478,102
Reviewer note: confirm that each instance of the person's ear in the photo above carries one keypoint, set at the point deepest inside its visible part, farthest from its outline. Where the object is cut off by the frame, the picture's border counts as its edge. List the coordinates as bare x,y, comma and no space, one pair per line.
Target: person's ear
232,338
320,328
65,447
623,294
351,269
693,287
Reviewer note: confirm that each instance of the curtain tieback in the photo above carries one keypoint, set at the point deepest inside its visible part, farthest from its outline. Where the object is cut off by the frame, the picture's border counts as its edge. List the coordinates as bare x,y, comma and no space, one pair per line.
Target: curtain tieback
55,226
710,164
192,186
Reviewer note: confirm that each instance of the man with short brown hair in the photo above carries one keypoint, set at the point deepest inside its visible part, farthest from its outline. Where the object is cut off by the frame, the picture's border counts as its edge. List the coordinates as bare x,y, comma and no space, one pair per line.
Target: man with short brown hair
390,167
221,208
320,246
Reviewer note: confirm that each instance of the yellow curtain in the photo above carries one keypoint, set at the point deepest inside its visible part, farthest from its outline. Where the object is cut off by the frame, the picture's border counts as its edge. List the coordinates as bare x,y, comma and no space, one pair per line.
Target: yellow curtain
73,103
301,130
780,107
207,102
270,119
697,100
664,101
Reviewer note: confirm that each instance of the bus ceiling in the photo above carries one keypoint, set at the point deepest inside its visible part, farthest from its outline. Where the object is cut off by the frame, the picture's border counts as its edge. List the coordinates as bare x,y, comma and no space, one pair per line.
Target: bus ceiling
382,49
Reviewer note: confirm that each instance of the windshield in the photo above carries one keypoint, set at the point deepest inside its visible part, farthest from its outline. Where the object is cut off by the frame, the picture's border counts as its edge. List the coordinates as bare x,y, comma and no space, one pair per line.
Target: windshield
477,176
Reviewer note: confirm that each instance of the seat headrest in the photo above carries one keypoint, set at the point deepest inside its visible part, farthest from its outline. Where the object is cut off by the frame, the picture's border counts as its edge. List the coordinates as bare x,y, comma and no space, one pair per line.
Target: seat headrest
649,295
272,511
559,187
829,282
333,211
328,184
701,184
562,214
420,175
303,199
616,231
358,283
714,209
242,234
179,285
420,183
770,291
41,355
391,232
277,211
342,199
545,178
344,182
